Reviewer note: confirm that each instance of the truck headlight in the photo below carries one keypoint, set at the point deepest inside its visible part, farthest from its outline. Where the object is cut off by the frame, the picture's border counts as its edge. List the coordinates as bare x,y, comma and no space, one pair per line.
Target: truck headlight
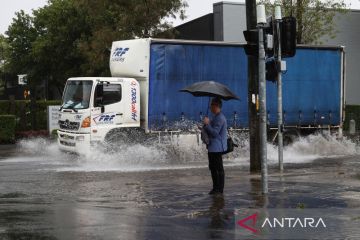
86,123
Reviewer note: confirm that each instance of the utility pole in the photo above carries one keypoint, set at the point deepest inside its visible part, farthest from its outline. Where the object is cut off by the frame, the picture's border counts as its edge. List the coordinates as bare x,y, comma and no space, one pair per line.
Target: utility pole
279,88
261,22
253,92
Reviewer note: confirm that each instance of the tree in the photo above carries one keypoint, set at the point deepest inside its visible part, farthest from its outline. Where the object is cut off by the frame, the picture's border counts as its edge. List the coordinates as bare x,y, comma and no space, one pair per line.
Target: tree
3,48
122,19
315,18
73,37
60,27
21,34
3,51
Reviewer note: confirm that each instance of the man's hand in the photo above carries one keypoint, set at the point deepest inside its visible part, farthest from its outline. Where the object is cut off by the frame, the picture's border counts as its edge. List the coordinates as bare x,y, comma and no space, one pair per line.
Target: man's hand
206,120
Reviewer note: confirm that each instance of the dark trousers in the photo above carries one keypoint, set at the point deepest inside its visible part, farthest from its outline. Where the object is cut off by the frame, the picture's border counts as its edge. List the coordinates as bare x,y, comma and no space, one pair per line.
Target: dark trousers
217,171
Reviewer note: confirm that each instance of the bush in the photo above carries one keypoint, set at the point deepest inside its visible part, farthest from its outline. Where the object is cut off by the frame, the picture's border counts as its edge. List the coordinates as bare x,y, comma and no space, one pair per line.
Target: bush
4,107
41,112
22,112
7,128
54,134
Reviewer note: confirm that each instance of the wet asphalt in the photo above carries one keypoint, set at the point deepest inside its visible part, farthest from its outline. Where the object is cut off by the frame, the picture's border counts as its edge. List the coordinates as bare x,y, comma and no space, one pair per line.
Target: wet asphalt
37,201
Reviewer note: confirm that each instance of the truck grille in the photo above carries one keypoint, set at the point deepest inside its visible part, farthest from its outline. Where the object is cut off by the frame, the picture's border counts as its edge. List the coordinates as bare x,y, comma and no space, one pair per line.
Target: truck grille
65,136
67,125
68,143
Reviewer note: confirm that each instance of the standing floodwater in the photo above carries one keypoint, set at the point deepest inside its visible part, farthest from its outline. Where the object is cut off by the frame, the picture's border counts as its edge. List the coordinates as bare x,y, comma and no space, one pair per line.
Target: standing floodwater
182,153
159,191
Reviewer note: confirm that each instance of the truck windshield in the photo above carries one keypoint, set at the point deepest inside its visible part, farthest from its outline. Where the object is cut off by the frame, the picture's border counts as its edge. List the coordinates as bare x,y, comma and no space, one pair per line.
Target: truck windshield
77,94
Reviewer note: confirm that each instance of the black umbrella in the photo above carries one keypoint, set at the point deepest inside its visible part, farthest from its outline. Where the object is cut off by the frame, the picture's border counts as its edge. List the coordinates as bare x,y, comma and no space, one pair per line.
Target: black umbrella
210,89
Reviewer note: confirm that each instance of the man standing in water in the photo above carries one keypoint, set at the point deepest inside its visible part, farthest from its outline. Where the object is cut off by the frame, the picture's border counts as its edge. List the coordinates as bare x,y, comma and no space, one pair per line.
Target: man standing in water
217,131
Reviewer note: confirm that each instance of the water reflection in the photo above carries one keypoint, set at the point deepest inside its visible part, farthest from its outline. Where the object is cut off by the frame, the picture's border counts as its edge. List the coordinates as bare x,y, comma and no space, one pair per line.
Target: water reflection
217,217
260,200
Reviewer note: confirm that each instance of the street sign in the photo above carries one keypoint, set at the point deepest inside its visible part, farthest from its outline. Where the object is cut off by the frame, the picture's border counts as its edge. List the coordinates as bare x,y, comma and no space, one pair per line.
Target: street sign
22,79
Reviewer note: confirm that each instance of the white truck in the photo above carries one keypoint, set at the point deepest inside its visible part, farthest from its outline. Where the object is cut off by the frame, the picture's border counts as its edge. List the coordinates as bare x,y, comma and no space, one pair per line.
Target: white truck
94,108
147,74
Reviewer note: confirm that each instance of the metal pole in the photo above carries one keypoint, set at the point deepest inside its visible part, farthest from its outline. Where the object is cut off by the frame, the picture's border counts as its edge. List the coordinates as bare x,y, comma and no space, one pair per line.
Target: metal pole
262,110
279,93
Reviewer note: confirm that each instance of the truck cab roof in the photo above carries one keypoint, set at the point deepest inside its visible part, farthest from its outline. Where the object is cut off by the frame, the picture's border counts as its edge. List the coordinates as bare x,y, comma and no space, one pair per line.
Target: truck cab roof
102,79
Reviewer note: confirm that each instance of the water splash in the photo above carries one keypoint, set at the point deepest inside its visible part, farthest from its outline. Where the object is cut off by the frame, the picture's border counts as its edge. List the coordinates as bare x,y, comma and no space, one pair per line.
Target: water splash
36,150
315,146
180,152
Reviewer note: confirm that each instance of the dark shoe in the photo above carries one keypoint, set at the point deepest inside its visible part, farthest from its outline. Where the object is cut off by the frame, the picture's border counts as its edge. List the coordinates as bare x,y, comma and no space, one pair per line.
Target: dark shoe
213,191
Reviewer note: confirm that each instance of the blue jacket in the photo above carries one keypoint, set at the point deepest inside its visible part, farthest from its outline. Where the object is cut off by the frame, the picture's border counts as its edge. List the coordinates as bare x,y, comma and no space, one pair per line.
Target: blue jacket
217,131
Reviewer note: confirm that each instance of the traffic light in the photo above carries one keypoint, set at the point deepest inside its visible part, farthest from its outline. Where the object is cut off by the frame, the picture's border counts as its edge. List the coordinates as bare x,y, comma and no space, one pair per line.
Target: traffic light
26,94
288,37
272,69
252,38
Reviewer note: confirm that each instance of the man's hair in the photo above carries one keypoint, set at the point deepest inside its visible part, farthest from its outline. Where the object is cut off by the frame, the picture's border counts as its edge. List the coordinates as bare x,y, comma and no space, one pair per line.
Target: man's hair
217,100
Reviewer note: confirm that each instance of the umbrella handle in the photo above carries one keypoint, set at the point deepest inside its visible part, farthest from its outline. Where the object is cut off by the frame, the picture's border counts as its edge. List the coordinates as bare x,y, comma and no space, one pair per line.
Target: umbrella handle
207,108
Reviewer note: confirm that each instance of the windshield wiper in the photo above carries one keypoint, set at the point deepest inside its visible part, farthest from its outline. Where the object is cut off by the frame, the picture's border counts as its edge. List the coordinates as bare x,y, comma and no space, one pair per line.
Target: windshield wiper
62,106
73,108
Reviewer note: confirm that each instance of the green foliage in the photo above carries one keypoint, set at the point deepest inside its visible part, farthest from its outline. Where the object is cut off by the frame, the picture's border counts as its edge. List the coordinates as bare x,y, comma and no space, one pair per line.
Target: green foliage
315,18
22,112
122,19
60,27
7,128
3,47
73,37
4,50
54,134
41,112
4,107
21,35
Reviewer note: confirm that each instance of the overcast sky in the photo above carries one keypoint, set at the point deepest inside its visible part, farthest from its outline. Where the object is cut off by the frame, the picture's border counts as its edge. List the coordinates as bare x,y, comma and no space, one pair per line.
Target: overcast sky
196,9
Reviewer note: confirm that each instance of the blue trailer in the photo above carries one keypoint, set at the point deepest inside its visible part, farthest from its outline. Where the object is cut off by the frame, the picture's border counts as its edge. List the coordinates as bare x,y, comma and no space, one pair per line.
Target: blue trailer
313,86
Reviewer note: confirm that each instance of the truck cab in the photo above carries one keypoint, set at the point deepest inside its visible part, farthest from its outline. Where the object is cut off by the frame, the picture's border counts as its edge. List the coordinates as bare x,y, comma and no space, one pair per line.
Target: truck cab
93,106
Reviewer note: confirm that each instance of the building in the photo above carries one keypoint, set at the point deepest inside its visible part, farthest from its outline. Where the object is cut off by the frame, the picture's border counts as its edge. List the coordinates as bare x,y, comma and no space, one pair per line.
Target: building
348,35
228,21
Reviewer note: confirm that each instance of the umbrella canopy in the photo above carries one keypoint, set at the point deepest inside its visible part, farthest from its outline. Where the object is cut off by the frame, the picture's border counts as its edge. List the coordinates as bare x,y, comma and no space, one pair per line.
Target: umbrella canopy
210,89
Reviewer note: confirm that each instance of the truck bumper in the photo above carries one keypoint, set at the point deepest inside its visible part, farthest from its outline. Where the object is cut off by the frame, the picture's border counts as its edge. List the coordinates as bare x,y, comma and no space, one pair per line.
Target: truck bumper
74,142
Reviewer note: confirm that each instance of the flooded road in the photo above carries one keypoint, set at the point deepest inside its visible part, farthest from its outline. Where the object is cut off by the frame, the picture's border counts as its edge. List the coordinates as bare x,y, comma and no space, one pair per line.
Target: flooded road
140,192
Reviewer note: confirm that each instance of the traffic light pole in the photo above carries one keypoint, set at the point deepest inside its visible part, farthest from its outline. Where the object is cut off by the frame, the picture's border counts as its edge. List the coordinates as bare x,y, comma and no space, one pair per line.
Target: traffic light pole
262,111
279,93
253,91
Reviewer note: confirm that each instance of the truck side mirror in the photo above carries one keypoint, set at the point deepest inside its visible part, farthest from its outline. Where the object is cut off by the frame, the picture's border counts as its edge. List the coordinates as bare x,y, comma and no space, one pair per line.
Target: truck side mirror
99,95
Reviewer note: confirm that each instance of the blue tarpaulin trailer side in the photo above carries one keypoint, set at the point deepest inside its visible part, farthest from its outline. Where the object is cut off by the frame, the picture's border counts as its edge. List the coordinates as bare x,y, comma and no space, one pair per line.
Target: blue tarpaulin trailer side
311,89
312,85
